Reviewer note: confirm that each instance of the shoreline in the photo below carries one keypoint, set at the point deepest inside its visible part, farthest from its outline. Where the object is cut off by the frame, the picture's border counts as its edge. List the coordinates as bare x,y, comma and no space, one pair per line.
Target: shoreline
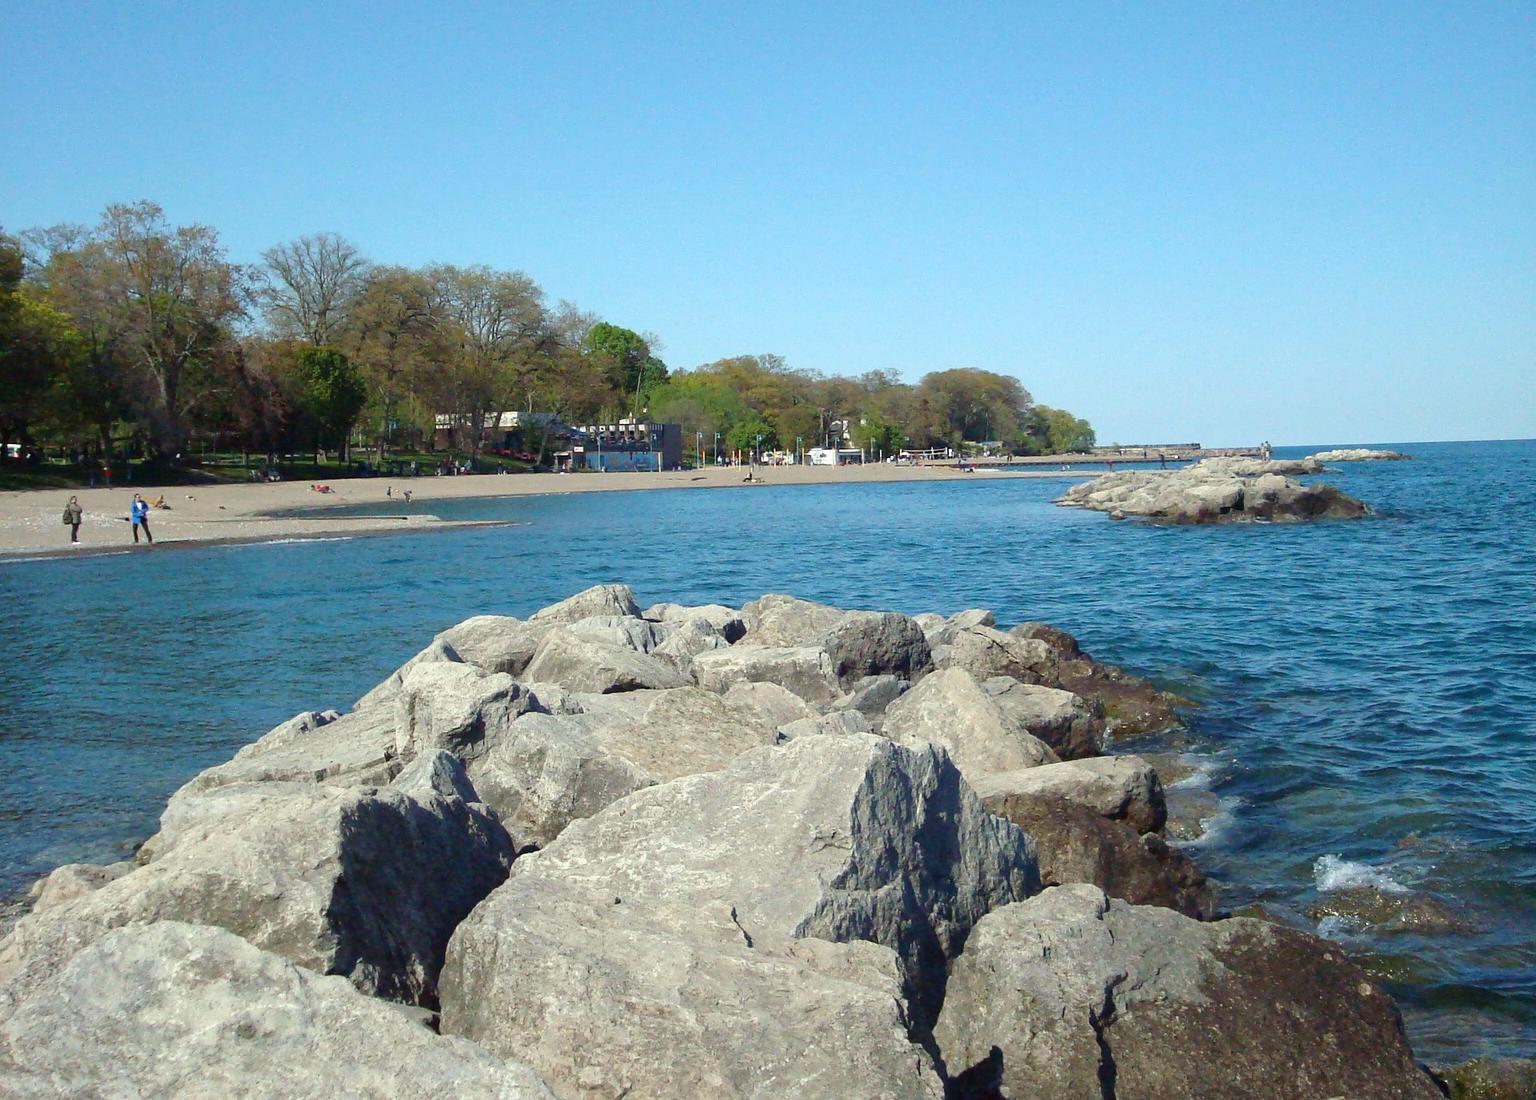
239,514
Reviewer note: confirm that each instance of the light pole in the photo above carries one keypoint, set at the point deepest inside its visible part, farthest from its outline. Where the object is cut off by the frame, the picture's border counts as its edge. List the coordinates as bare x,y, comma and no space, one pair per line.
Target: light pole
717,448
698,445
799,455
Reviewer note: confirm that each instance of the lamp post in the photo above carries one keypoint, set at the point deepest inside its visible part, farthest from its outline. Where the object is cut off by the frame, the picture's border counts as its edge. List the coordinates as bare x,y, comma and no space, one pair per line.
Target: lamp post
698,445
717,448
799,453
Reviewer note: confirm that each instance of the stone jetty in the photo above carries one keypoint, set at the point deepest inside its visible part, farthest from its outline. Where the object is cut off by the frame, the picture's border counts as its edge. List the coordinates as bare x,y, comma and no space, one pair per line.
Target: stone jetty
782,850
1357,454
1217,490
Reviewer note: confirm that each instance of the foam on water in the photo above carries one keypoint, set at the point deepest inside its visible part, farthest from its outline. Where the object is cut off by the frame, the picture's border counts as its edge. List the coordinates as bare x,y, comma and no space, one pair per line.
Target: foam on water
1337,873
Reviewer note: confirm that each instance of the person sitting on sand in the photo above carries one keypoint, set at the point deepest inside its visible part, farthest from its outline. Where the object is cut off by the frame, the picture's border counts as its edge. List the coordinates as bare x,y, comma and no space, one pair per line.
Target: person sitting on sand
160,503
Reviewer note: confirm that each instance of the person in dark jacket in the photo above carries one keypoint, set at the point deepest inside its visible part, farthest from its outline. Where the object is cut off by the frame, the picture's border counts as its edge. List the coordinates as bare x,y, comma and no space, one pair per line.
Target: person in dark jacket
73,514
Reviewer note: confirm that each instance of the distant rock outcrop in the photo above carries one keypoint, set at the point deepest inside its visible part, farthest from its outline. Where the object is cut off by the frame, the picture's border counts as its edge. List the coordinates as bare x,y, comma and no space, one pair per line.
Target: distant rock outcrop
1357,454
1217,490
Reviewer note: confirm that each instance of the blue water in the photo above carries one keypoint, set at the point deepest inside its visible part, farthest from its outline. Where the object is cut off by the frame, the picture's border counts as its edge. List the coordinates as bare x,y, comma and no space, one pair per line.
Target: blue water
1367,689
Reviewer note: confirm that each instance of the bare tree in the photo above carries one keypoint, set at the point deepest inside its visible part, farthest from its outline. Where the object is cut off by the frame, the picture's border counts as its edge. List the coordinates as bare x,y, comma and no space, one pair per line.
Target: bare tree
308,286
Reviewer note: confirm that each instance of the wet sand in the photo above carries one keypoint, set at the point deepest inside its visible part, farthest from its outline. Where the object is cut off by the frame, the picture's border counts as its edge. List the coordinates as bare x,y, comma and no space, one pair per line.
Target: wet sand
31,522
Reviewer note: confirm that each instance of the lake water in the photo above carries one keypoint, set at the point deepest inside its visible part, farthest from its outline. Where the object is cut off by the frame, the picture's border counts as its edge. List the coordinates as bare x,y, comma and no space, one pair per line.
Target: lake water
1366,731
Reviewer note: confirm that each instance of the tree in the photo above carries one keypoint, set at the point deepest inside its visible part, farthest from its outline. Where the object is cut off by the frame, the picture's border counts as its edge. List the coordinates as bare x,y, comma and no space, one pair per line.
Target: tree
750,432
1056,431
626,358
37,343
393,335
331,392
967,404
307,287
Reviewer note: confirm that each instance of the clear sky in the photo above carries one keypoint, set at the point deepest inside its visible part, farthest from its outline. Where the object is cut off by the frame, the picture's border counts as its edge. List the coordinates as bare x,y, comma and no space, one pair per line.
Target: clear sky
1214,222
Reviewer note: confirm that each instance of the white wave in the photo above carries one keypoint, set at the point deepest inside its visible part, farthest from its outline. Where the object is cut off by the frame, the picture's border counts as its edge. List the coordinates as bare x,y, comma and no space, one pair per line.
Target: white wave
1213,829
1205,771
1337,873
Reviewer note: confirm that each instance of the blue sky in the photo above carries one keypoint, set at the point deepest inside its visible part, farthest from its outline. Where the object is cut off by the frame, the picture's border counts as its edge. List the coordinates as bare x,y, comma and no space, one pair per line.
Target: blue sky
1224,223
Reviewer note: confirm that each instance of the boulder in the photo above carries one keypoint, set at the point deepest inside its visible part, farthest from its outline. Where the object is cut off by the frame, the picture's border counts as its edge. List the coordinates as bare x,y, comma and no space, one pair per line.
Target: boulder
805,671
726,620
876,643
948,708
1215,491
784,621
872,696
74,880
1059,718
688,639
496,643
944,633
690,916
621,631
600,599
580,664
1490,1078
356,749
180,1010
384,694
548,771
455,708
985,652
1074,843
1128,704
1074,994
363,882
831,724
1121,788
769,701
1356,454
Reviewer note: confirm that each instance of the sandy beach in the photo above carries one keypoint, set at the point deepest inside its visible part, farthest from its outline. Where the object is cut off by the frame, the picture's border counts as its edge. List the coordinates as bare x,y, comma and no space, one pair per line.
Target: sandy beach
31,524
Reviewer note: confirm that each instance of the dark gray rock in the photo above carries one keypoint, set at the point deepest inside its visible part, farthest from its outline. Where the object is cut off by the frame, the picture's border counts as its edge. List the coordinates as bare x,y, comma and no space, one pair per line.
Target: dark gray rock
876,643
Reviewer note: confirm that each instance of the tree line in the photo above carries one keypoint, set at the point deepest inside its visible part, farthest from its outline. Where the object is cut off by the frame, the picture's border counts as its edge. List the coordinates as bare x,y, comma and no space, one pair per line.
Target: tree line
136,334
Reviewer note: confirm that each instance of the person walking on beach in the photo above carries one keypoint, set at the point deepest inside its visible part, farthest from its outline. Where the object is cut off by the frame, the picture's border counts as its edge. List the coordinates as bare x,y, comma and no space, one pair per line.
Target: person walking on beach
138,516
73,514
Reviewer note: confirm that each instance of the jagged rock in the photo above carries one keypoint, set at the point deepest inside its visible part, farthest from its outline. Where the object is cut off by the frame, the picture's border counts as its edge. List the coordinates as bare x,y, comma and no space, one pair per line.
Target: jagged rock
682,914
726,620
783,621
384,694
1356,454
74,880
930,624
353,749
871,697
496,643
180,1010
874,643
1059,718
1074,843
801,669
1122,788
949,708
769,701
600,599
944,633
1074,994
1129,704
579,664
1215,491
363,882
688,639
548,771
456,708
835,723
985,652
621,631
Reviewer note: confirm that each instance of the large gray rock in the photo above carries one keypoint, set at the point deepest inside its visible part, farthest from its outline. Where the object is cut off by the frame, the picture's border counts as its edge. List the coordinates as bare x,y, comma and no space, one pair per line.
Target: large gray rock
948,708
364,882
74,880
1356,454
985,652
496,643
769,702
600,599
184,1011
1129,705
876,643
1122,788
384,693
726,620
548,771
456,708
803,670
1215,491
688,639
944,633
621,631
872,696
784,621
352,749
1059,718
1073,994
688,916
582,664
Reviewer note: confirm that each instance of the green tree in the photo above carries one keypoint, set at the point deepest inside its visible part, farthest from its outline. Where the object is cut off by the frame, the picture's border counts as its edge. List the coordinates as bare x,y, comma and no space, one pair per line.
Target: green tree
37,344
626,359
331,392
751,432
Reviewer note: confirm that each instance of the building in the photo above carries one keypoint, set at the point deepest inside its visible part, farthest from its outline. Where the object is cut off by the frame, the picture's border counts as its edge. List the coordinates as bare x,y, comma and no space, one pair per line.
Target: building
628,445
496,433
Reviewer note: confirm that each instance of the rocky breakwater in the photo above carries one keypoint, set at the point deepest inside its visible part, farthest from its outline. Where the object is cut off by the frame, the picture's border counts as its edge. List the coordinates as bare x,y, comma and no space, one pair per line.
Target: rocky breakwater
780,850
1217,490
1357,454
